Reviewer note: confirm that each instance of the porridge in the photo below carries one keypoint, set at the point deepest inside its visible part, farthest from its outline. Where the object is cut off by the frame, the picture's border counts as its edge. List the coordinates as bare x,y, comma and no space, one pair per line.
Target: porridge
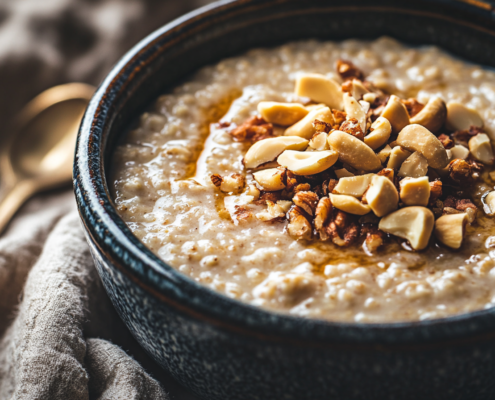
345,181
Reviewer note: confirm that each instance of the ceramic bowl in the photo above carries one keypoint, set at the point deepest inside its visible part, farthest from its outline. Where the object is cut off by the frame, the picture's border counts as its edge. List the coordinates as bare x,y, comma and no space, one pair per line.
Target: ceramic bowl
221,348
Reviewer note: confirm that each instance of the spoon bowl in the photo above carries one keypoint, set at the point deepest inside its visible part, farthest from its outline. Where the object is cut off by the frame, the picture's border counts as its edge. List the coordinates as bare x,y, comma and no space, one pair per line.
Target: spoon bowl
40,154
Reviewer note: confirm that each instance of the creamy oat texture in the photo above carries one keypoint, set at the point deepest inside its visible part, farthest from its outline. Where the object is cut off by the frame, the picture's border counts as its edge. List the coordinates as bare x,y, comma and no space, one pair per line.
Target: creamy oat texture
175,210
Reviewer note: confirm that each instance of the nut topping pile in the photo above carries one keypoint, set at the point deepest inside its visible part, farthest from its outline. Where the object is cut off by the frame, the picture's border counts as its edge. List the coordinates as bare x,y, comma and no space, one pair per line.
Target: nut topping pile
356,165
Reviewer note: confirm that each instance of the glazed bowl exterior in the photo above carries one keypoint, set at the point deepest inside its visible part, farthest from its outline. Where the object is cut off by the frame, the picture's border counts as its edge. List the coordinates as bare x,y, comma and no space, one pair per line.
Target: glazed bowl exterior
221,348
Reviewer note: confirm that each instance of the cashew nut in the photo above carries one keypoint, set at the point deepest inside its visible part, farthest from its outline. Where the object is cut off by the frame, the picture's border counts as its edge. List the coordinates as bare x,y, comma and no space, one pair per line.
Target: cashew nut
380,134
284,114
354,152
384,153
415,191
460,117
319,141
270,179
397,156
308,162
459,151
417,138
304,128
269,149
489,203
354,186
349,204
432,116
414,224
320,89
382,196
449,229
354,110
414,166
342,173
396,113
481,148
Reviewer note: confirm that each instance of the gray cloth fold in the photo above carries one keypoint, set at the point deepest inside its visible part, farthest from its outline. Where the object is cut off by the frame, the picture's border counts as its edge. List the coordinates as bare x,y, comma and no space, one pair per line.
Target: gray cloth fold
46,352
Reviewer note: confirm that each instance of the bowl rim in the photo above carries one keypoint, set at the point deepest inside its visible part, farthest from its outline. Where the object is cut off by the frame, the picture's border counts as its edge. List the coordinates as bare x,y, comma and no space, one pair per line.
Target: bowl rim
112,238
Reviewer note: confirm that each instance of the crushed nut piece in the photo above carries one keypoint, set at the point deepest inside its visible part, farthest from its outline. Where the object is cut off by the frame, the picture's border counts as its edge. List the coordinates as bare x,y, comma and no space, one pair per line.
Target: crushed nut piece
269,196
339,117
322,126
352,127
348,71
413,106
462,137
464,204
242,213
229,184
374,238
254,129
299,226
447,142
435,192
323,214
216,179
461,172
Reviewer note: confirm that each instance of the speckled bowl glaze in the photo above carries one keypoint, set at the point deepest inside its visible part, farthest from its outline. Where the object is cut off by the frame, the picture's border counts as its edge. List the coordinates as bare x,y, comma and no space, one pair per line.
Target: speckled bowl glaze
221,348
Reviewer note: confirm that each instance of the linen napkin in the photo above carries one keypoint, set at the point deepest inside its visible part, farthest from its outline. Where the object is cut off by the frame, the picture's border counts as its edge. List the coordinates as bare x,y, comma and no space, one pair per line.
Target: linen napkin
54,313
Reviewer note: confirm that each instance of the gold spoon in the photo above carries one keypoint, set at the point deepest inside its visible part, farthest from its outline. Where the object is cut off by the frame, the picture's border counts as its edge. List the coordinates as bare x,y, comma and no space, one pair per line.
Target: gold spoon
40,154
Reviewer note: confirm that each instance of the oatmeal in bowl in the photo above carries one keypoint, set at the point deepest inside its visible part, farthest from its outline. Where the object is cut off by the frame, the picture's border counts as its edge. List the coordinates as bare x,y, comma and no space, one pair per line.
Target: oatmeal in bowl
349,181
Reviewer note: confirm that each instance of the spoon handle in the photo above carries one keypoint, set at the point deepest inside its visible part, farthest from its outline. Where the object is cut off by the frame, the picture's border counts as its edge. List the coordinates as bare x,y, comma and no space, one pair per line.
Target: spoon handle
12,200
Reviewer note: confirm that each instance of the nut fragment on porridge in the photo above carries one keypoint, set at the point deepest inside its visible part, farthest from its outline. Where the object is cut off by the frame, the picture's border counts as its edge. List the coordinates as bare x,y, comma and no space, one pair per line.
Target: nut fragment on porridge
340,176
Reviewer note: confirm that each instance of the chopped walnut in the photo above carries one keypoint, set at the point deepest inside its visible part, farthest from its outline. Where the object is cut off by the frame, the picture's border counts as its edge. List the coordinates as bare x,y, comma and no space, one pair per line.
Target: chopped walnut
224,124
352,127
291,181
464,204
254,130
307,201
447,142
321,126
302,187
299,226
242,213
348,71
323,214
269,196
347,229
413,106
461,172
435,191
331,184
216,179
335,224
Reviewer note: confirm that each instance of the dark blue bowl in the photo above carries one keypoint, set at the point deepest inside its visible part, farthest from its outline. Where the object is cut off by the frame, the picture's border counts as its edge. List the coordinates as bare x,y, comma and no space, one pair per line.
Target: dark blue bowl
221,348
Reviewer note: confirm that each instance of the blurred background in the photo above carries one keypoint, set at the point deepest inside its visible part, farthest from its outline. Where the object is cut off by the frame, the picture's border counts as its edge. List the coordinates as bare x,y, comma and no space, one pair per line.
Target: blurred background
49,42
